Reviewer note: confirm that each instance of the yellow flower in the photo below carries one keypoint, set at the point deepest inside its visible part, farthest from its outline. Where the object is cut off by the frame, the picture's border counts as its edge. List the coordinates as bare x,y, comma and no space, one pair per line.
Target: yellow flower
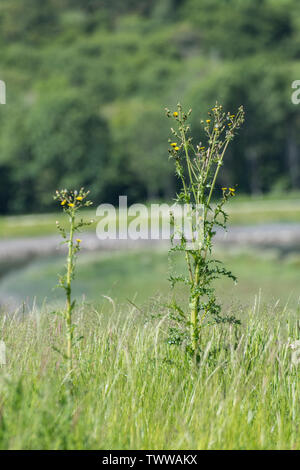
224,189
71,204
173,144
208,121
63,202
175,114
78,240
79,198
176,148
202,148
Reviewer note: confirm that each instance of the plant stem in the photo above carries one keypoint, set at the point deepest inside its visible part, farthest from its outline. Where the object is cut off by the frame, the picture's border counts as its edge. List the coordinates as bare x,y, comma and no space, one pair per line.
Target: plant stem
215,177
194,312
195,303
189,266
69,292
189,166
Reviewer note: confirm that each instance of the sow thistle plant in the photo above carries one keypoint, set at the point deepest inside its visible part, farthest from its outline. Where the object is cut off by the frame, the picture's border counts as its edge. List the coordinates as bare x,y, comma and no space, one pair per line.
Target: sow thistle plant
198,168
71,202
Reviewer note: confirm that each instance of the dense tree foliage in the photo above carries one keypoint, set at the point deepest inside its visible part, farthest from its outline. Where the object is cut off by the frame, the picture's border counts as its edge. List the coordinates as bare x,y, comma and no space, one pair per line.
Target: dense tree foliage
87,83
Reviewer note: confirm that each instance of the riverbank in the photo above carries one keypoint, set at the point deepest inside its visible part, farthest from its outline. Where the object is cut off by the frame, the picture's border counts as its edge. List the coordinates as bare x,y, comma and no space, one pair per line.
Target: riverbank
284,236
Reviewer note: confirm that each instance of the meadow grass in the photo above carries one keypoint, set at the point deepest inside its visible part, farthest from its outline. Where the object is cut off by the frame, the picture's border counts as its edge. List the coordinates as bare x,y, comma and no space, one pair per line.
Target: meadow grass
132,390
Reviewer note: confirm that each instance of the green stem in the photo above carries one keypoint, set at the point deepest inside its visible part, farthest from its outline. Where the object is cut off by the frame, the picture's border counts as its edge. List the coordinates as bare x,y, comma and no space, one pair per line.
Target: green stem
215,176
188,161
194,312
189,266
213,186
195,304
69,300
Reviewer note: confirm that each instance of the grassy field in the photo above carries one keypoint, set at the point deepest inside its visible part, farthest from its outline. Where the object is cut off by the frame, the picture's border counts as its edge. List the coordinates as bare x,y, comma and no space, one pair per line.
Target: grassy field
132,390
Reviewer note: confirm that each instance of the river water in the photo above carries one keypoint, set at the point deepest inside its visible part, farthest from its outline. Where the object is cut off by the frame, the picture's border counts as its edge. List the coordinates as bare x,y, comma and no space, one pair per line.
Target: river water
15,253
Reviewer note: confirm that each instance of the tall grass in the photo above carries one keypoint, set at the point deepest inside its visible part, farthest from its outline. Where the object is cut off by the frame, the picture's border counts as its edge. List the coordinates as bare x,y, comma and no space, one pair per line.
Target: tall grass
132,390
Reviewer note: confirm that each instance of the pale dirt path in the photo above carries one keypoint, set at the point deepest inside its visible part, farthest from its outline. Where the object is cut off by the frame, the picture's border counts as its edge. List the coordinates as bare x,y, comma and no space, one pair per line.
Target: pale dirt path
21,249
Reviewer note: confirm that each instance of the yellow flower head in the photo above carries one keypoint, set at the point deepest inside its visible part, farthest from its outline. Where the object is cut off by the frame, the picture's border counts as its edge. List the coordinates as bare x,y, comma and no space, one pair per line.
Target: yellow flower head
71,204
175,114
176,148
224,189
79,198
208,121
63,202
202,148
173,144
78,240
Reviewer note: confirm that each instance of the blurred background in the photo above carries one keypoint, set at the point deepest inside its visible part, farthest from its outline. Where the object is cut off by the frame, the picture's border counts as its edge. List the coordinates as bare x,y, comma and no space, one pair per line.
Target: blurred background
87,83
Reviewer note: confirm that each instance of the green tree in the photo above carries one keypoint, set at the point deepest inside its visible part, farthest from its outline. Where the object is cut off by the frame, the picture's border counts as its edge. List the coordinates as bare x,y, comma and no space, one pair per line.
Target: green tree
62,142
